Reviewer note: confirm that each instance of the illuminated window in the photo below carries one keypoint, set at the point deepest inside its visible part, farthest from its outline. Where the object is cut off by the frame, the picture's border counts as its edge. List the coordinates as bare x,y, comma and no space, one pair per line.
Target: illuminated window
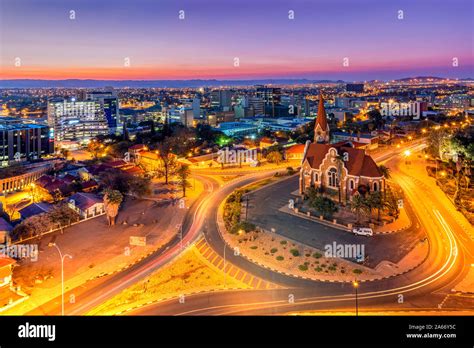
333,180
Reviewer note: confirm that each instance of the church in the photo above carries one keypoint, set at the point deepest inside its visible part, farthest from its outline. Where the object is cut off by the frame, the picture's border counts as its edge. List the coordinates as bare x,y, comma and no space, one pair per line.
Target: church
338,170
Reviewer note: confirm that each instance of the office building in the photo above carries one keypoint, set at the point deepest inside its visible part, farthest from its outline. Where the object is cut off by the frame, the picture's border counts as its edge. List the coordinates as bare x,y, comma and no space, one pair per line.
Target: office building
23,142
110,103
221,99
77,120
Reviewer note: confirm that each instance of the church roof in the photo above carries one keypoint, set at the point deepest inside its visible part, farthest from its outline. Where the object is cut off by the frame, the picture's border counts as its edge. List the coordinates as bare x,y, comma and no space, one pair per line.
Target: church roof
321,119
358,163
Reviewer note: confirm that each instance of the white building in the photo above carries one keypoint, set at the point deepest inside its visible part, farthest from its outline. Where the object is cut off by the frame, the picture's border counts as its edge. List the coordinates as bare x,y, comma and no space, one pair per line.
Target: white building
77,120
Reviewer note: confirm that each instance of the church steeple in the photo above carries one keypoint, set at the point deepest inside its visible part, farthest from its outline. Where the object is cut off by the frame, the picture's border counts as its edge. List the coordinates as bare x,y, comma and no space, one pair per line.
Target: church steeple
321,127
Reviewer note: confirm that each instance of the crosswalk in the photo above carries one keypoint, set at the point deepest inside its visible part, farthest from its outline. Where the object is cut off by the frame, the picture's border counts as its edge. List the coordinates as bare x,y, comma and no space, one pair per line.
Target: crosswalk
209,254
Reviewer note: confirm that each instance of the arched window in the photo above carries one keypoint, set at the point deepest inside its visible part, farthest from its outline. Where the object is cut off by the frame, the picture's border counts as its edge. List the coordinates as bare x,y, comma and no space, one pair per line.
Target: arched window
351,184
376,186
332,178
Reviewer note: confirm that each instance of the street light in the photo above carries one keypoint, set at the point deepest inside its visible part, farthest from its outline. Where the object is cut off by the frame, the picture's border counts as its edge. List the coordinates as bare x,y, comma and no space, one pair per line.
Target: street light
407,154
355,284
62,273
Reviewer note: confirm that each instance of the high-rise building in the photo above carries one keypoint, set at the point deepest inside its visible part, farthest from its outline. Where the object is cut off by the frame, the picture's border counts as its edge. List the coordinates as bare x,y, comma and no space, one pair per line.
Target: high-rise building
221,99
23,142
196,105
257,104
271,96
110,103
77,120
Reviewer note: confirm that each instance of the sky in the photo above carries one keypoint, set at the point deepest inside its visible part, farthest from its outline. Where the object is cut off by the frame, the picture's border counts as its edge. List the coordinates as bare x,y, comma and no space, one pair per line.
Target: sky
235,39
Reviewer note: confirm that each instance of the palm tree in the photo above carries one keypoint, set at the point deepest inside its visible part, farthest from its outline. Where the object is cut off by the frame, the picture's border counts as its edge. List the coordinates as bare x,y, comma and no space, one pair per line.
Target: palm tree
112,201
183,173
386,172
376,201
358,206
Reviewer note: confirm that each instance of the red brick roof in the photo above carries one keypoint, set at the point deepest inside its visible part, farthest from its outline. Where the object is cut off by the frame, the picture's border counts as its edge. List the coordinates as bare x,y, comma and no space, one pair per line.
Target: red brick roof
89,184
296,149
358,164
134,170
116,164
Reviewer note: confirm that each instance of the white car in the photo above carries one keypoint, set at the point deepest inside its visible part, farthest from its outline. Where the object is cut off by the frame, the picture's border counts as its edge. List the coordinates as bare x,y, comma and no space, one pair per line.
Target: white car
363,231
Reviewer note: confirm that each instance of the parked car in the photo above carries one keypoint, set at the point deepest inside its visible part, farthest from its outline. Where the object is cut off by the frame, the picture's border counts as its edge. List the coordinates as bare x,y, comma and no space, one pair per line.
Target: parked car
363,231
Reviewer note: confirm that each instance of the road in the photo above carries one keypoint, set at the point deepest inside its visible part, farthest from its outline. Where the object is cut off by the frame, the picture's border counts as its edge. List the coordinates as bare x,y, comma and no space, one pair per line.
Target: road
448,261
425,287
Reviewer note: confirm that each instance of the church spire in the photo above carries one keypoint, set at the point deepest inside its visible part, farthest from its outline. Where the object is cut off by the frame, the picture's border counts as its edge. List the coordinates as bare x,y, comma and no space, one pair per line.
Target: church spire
321,126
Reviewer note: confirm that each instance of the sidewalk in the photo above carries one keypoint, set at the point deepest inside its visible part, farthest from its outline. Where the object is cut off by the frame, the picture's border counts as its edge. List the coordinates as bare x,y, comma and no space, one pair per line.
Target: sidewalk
402,223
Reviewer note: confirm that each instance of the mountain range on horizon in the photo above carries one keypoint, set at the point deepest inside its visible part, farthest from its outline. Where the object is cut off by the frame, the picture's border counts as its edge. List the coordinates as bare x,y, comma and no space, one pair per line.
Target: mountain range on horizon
192,83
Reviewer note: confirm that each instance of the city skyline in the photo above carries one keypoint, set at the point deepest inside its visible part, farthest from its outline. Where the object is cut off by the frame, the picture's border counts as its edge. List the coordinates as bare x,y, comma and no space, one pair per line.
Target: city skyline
205,44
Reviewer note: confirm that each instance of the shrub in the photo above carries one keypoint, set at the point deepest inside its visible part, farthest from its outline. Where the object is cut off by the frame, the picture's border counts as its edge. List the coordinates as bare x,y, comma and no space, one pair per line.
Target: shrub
295,252
244,226
280,258
303,267
332,268
253,247
283,242
317,255
273,250
318,269
357,271
307,255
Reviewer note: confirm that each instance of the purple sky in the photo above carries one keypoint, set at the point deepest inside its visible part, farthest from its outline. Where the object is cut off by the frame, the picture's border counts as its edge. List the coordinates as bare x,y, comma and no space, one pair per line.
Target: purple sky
214,32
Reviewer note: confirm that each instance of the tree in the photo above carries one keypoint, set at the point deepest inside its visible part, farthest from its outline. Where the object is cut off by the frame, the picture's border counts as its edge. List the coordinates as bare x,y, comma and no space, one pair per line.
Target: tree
323,205
65,152
391,203
33,226
62,215
114,179
358,206
386,172
112,201
11,211
274,157
139,186
94,147
125,183
183,173
376,201
167,157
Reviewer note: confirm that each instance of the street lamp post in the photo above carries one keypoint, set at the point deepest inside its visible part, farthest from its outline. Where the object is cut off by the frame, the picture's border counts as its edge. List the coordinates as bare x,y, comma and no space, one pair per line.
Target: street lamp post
62,274
356,285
